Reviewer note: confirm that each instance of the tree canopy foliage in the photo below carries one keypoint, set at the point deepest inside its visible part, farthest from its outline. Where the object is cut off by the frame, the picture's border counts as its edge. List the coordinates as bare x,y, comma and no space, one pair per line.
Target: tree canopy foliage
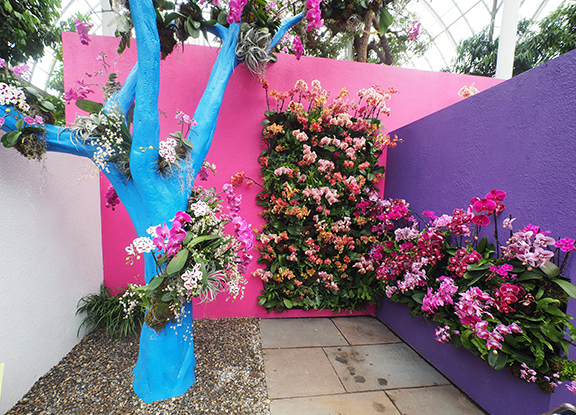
555,35
364,31
26,27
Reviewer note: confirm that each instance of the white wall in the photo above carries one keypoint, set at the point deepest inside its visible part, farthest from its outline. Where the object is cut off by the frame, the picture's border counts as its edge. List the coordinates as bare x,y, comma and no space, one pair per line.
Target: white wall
50,257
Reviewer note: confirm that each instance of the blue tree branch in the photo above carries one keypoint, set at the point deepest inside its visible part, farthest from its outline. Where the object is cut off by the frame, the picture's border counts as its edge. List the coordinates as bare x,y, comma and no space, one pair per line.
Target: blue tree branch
286,25
57,139
125,97
217,30
146,129
208,108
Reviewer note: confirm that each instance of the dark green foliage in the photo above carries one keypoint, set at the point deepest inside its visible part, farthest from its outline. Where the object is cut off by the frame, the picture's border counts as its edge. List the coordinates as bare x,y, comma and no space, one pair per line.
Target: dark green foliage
105,311
556,35
26,27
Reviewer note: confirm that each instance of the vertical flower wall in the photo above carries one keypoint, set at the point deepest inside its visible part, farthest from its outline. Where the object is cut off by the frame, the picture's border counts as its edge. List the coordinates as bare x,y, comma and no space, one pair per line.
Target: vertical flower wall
321,161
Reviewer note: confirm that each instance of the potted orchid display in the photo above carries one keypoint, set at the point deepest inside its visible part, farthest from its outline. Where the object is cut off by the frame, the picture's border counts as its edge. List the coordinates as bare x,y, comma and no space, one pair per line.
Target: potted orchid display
505,302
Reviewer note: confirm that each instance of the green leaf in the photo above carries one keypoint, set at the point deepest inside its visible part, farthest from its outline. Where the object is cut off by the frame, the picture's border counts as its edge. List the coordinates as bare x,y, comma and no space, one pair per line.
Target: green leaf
20,124
547,302
202,238
498,360
188,238
478,267
155,283
418,297
288,303
47,105
554,311
481,245
222,18
271,303
292,230
384,21
274,267
568,287
167,296
10,139
261,301
529,275
89,106
475,279
187,144
177,263
550,269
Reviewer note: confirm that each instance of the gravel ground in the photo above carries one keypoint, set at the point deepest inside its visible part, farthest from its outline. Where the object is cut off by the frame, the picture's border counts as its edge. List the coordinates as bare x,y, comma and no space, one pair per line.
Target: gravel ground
95,378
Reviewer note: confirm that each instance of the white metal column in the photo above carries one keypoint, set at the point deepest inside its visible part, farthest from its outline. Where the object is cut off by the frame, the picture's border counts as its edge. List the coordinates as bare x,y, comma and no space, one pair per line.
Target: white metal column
507,42
107,17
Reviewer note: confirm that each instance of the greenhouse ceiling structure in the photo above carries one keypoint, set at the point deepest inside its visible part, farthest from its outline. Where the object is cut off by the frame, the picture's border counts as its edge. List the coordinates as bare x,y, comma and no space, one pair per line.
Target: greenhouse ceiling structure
446,22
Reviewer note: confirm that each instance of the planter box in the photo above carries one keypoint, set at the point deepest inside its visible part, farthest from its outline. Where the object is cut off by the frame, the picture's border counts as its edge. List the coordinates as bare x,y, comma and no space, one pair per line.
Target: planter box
497,391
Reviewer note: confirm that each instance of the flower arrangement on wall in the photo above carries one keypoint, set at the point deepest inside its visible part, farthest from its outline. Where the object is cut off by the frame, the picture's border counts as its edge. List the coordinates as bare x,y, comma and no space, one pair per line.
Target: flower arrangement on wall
320,157
505,303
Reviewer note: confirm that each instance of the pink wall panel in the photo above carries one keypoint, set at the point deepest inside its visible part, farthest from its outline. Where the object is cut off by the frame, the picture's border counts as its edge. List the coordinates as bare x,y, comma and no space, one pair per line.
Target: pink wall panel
237,141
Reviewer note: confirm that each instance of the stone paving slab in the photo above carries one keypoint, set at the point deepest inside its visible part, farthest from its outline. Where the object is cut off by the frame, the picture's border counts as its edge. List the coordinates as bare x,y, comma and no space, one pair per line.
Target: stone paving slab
363,403
299,332
364,330
299,372
382,366
445,400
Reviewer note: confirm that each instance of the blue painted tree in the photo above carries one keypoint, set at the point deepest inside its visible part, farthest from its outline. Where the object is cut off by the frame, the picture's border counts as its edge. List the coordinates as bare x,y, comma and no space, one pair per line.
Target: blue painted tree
166,361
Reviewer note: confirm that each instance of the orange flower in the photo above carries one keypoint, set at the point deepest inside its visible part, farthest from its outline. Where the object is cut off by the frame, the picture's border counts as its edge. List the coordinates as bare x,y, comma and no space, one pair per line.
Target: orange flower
237,179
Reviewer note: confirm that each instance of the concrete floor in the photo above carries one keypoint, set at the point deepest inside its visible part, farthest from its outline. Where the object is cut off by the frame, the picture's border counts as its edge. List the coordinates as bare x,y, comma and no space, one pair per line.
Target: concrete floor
351,366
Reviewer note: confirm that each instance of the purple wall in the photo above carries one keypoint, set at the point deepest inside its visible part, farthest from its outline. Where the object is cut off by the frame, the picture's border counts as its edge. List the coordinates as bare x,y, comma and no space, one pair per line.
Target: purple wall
520,137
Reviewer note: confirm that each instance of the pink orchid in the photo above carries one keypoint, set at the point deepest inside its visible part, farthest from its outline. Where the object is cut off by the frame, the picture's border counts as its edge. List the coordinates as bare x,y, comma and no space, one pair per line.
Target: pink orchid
297,46
83,28
314,15
111,197
565,244
236,9
414,31
182,217
481,220
496,195
483,205
20,70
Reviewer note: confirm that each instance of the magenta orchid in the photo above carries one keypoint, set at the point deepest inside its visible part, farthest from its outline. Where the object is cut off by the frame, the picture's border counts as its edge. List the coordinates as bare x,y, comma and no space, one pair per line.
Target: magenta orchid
297,47
236,9
414,30
21,70
83,28
111,197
